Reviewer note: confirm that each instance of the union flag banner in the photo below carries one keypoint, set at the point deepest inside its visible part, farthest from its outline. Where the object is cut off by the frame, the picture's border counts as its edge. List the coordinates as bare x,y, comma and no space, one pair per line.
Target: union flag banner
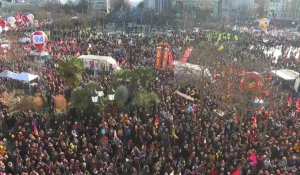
187,54
158,57
171,61
166,57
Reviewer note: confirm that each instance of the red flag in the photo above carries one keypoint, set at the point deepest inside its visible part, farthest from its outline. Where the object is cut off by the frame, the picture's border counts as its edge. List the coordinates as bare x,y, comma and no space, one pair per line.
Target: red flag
35,130
237,171
254,123
77,54
243,72
228,87
267,92
235,119
187,54
253,159
260,108
298,104
270,78
290,100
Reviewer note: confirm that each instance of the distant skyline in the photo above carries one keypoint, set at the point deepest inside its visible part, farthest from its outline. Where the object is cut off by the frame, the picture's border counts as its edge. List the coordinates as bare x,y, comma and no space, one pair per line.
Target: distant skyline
132,2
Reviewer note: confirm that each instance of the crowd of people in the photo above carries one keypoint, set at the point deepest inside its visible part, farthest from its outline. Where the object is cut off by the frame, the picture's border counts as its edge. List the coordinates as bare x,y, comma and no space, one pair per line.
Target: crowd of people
181,137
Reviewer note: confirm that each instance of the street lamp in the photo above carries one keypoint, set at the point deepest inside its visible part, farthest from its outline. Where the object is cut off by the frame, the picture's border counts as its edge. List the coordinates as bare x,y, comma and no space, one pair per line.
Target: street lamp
99,92
95,97
111,95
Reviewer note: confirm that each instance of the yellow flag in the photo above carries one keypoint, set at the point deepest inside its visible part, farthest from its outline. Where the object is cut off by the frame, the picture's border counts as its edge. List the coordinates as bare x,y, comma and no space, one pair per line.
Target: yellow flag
174,132
220,48
236,37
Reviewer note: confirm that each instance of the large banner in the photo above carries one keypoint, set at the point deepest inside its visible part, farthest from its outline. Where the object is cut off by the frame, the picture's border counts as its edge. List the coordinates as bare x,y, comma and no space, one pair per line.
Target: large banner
158,57
187,54
166,57
171,61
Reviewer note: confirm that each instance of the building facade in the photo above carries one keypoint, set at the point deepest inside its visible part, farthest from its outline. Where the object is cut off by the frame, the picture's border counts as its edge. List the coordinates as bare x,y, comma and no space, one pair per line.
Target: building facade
99,6
158,6
284,9
237,8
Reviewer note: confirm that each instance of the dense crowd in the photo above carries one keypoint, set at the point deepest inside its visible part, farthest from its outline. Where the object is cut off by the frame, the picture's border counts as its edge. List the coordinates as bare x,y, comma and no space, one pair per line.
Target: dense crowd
181,137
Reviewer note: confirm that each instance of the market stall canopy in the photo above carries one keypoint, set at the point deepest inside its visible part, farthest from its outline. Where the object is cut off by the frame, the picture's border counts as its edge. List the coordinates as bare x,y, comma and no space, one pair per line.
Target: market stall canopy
7,74
286,74
24,76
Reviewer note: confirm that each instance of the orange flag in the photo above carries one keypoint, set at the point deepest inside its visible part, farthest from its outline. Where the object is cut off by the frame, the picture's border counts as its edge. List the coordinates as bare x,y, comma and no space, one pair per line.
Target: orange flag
156,121
165,59
171,61
158,57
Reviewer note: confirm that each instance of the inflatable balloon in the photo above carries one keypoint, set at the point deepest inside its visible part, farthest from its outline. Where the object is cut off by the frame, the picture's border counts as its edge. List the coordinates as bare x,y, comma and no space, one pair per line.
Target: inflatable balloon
264,24
252,80
2,23
11,20
39,40
25,18
30,17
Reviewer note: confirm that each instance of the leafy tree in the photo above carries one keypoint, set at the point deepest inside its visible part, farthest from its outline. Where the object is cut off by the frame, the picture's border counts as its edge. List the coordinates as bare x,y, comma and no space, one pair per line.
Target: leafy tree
81,99
134,77
82,6
146,100
141,5
60,103
261,8
70,70
121,96
120,5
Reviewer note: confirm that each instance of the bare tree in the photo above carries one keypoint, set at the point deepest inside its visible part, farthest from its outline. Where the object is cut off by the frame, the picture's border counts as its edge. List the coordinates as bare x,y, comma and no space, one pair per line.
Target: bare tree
261,8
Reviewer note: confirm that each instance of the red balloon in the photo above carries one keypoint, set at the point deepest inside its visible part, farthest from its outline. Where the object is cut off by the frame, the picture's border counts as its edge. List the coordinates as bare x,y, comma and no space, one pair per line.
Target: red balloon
2,23
39,40
18,16
25,18
255,77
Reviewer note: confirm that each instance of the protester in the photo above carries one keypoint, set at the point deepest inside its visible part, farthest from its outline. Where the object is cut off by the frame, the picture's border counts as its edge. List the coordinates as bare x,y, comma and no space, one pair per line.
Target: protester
184,137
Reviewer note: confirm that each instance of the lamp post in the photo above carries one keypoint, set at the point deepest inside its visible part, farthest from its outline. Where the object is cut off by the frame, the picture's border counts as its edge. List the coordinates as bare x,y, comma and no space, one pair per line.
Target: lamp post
98,93
111,97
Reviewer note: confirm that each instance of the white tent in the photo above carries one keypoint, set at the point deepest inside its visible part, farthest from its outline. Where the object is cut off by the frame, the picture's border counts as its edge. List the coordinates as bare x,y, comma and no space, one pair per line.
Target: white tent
95,61
7,74
188,70
24,76
286,74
